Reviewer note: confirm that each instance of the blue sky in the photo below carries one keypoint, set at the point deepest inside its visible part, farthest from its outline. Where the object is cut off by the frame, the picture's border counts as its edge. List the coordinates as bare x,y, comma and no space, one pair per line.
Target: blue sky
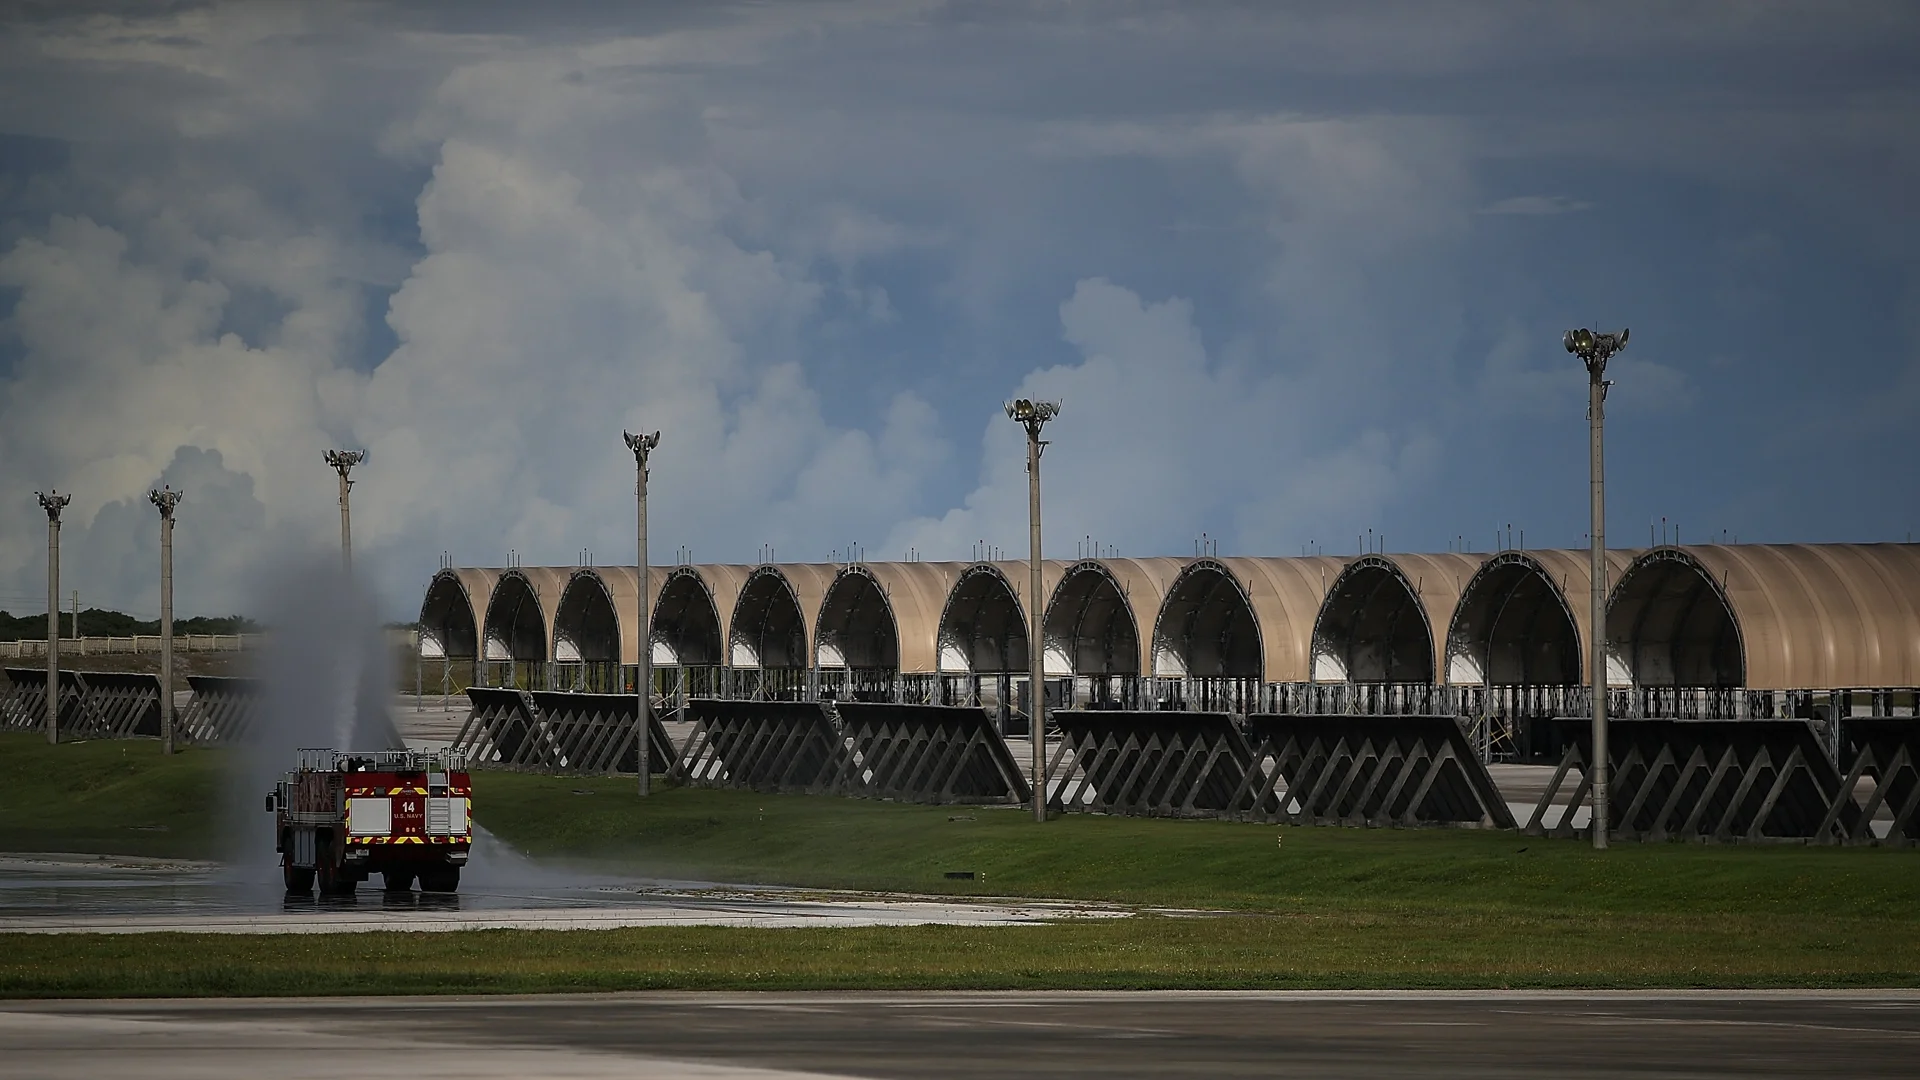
1296,271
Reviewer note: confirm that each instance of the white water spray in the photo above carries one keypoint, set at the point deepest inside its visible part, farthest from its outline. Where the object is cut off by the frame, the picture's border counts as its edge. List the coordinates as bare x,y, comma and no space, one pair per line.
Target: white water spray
326,677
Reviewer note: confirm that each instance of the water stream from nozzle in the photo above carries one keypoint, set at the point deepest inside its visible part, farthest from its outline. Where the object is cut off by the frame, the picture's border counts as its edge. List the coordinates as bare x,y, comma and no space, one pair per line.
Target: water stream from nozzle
326,677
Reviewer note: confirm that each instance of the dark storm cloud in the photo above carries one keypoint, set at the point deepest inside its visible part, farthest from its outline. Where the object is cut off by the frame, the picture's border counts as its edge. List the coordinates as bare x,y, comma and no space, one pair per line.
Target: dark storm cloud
1296,269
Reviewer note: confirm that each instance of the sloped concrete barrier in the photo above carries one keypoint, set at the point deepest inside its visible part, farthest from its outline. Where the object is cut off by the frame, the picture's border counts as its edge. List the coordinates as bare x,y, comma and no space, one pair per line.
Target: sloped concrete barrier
1368,770
1887,751
1163,764
555,731
93,704
775,746
929,754
1704,780
223,708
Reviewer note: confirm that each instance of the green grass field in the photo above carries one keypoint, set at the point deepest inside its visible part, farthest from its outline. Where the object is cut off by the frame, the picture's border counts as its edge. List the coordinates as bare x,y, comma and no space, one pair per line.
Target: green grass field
1298,907
1355,949
116,797
851,843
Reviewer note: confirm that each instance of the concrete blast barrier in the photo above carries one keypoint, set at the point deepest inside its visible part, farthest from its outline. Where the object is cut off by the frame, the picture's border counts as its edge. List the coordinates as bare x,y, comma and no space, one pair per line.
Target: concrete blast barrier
912,753
596,731
555,731
117,704
1368,770
1706,780
93,704
1886,749
1164,764
223,708
929,754
776,746
24,706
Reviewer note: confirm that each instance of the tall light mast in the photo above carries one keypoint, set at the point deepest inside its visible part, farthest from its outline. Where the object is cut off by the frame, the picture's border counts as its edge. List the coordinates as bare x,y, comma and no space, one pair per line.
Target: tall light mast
343,462
643,445
53,503
1594,350
1033,415
164,500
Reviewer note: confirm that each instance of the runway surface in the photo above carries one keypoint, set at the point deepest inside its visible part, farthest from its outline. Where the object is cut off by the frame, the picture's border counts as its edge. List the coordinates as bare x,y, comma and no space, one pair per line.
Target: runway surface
86,894
947,1036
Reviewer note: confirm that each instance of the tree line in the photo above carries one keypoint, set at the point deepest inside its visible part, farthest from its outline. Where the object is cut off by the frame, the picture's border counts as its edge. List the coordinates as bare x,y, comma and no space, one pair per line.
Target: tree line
95,622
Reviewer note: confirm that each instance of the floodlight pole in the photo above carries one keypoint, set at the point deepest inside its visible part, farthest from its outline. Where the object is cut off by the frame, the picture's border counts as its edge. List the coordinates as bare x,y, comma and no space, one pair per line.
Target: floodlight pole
53,502
343,462
642,445
1033,415
1594,350
165,500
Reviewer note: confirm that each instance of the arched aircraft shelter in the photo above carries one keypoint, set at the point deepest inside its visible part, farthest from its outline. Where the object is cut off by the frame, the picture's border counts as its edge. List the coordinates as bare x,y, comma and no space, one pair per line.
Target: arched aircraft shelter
1206,636
982,640
1091,633
857,641
1513,627
1720,629
688,647
768,645
586,636
515,630
1671,624
1372,628
450,624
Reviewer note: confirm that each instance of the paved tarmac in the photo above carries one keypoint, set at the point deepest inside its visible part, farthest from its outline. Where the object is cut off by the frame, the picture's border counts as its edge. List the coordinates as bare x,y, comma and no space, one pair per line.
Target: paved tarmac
946,1036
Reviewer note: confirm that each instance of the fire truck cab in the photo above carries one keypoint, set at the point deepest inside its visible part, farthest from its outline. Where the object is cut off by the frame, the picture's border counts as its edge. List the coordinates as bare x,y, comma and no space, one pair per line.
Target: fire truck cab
340,817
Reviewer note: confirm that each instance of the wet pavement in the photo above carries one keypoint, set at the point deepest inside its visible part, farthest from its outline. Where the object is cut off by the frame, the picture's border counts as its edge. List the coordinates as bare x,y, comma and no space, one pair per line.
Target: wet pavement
88,894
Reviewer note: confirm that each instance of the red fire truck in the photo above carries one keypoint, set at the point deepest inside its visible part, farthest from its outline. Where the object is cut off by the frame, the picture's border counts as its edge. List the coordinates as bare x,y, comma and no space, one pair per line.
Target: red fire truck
340,817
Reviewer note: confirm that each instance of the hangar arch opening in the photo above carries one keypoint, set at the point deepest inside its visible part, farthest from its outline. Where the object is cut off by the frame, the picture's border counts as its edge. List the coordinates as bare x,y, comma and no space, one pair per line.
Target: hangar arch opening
767,649
448,630
447,627
857,642
1669,623
1513,627
1206,627
1207,638
1090,634
515,635
686,648
983,628
586,637
1371,628
982,640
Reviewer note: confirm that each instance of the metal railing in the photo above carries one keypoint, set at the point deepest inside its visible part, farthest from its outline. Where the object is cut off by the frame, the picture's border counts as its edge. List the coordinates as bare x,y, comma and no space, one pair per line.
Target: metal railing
1242,696
30,648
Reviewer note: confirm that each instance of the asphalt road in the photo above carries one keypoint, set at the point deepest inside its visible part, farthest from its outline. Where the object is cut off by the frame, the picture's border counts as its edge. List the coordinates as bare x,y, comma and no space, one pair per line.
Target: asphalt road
963,1036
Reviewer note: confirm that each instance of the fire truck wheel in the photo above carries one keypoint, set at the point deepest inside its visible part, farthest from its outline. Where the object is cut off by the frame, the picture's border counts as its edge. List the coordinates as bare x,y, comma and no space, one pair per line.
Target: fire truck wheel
399,880
299,879
334,881
440,879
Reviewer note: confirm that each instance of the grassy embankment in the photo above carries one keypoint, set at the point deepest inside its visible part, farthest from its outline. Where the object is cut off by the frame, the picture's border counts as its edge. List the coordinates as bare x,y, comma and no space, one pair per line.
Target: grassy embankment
118,797
1306,907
